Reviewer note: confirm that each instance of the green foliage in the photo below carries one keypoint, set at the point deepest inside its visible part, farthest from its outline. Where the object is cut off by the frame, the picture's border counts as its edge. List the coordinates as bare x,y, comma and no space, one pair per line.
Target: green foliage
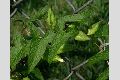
37,73
37,51
51,18
53,40
26,78
82,37
19,51
59,40
93,29
98,57
104,75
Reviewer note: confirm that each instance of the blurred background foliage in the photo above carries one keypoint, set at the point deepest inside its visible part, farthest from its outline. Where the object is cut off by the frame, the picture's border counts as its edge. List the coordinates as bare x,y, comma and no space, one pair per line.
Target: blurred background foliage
91,37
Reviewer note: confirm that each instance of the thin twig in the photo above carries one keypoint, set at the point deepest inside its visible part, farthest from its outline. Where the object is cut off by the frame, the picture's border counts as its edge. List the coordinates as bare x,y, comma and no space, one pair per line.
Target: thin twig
100,40
82,7
13,13
76,67
17,3
24,14
79,76
71,5
68,76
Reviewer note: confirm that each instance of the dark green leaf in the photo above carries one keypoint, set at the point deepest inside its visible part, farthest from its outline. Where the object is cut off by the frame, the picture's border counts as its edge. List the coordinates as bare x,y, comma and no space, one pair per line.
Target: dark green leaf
104,75
38,47
37,74
101,56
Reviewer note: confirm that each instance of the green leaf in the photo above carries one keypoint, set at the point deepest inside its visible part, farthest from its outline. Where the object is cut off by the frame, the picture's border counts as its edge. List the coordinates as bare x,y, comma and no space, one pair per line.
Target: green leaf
104,75
82,37
26,78
14,51
37,74
105,31
58,58
101,56
34,30
66,48
37,14
82,18
59,40
51,18
93,29
17,55
38,47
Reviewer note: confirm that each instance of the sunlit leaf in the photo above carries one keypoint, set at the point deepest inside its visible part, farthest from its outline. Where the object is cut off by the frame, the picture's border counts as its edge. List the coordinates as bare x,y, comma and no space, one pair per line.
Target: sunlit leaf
51,18
57,58
26,78
82,37
93,29
58,41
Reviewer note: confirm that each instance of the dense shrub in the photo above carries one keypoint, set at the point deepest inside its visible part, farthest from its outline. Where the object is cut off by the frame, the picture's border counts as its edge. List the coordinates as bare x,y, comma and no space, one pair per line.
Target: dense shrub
59,40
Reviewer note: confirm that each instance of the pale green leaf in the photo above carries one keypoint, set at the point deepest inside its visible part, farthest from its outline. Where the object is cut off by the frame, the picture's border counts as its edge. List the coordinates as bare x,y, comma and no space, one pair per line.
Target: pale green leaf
82,36
26,78
93,29
51,18
66,48
58,58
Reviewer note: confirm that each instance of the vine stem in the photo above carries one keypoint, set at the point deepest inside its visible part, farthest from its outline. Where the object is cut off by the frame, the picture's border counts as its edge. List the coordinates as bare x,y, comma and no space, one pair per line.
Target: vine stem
68,76
13,13
71,5
78,66
82,7
17,3
74,70
79,76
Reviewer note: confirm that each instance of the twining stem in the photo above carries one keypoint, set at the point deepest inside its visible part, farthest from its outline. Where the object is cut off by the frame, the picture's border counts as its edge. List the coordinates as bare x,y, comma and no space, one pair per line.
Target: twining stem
70,4
17,3
13,13
68,76
78,66
75,11
79,76
82,7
